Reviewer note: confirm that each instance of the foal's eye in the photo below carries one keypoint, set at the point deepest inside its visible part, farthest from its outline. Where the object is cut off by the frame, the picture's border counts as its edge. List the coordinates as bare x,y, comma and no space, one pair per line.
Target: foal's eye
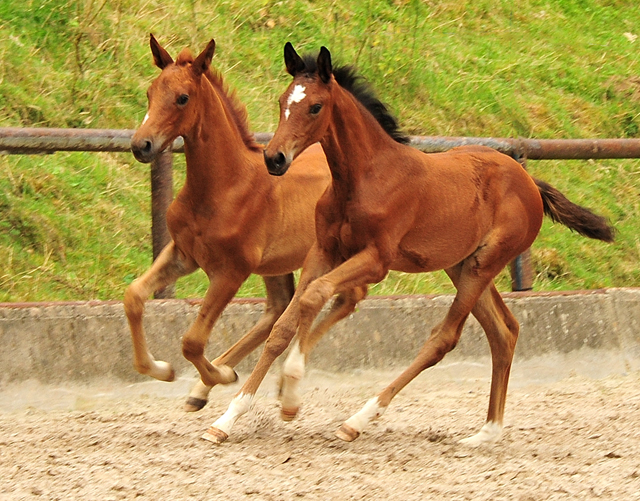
182,99
315,109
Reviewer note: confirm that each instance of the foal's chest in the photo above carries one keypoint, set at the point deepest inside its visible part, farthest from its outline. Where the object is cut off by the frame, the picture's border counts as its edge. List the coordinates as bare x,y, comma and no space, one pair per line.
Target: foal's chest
349,228
351,234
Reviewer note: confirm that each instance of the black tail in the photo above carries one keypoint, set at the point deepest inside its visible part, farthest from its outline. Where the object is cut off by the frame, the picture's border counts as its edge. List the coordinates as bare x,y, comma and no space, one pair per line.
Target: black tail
560,209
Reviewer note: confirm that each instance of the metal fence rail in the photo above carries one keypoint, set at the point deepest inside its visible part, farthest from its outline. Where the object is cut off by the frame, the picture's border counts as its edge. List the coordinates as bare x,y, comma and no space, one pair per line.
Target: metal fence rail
40,140
15,140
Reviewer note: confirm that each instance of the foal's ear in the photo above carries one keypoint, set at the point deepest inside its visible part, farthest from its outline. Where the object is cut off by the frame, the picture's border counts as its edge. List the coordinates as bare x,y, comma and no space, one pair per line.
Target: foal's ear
324,65
292,60
161,57
203,61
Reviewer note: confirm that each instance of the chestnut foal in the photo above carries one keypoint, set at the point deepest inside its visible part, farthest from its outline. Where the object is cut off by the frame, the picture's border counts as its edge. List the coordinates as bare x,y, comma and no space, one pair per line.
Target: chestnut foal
468,211
231,218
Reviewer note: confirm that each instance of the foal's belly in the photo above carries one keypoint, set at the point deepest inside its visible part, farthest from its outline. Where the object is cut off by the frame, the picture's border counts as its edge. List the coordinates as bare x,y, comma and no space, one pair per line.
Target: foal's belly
409,262
432,253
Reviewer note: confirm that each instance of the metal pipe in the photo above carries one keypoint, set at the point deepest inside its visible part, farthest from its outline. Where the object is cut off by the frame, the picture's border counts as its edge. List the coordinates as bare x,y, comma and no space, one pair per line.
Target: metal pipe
16,140
43,140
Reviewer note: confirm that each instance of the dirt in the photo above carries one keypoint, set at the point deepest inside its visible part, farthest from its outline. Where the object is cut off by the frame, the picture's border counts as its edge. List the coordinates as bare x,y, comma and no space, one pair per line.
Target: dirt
576,438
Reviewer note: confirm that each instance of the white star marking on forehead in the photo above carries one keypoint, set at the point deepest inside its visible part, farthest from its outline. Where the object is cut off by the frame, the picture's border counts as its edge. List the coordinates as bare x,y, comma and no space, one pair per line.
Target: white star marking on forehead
297,95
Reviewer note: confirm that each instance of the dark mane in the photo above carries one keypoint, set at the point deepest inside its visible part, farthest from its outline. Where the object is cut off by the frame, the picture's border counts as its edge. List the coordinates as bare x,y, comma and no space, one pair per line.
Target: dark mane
350,80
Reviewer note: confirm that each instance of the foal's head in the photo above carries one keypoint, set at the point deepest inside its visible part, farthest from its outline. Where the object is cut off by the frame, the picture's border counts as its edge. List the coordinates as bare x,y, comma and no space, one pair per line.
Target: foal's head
172,100
306,107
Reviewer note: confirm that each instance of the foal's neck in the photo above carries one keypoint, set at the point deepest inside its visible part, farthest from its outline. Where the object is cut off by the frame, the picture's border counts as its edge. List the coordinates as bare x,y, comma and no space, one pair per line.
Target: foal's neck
215,152
353,140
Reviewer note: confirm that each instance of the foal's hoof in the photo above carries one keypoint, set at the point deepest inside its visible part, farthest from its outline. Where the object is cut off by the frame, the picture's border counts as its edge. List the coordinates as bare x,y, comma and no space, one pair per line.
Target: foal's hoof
194,404
289,413
347,433
215,435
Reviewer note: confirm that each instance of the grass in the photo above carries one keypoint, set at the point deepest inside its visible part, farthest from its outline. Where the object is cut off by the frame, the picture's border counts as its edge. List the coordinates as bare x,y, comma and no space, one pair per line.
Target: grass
76,225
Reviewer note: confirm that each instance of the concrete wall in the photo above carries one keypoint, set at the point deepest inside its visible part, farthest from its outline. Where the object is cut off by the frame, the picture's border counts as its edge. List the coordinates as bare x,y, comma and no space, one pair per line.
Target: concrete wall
56,342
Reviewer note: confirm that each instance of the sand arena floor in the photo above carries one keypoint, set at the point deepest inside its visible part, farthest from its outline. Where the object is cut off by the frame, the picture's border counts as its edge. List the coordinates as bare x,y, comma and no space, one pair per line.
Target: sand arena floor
573,438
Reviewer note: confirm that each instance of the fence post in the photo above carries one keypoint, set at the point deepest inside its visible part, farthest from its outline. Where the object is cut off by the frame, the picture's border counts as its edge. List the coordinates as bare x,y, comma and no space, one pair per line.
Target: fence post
521,268
161,198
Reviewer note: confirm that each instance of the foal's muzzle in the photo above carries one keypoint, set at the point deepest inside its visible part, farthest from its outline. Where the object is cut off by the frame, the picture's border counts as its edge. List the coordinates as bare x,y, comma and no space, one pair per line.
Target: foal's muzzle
143,150
277,164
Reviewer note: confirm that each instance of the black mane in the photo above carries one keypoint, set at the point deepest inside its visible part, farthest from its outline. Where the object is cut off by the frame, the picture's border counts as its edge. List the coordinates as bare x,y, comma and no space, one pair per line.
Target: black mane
350,80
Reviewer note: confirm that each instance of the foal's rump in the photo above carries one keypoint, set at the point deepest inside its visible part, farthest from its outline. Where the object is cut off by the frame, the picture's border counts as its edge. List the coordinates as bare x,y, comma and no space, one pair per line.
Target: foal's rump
484,164
468,196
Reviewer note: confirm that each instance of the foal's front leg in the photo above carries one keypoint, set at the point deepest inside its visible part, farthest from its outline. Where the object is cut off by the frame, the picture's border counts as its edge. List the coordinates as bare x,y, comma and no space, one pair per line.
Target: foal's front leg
170,265
278,340
222,288
350,279
280,290
293,370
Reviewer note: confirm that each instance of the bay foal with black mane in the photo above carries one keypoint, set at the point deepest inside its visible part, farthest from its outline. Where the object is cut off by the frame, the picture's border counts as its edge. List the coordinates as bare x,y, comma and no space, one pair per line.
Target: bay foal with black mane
468,211
231,218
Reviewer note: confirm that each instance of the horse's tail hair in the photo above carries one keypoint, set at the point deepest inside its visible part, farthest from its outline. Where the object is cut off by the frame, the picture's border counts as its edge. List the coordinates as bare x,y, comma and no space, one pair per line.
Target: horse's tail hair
560,209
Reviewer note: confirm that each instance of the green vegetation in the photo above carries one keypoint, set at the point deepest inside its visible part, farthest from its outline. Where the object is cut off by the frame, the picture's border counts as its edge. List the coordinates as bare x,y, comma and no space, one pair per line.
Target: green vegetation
76,226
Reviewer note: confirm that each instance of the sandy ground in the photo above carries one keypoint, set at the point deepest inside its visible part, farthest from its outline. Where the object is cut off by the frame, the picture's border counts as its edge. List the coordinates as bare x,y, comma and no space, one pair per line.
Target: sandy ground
574,438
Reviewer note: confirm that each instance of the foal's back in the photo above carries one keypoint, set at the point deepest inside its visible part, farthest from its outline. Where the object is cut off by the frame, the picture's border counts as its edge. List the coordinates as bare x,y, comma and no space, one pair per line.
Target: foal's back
461,198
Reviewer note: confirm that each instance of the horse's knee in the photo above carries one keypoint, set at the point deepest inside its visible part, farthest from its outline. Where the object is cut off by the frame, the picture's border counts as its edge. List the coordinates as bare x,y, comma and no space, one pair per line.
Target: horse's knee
133,301
508,342
192,349
278,341
442,342
314,298
359,293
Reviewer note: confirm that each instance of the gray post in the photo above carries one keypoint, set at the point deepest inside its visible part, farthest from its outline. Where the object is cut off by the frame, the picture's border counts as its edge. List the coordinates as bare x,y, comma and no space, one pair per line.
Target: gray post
521,268
161,198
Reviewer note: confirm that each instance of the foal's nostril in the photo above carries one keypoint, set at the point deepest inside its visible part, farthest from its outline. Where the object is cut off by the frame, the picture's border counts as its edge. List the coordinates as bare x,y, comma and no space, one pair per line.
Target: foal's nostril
142,149
279,160
275,163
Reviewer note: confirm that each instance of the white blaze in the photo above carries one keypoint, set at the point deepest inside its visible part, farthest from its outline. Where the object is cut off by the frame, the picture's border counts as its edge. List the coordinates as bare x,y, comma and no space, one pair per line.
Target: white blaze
297,95
146,117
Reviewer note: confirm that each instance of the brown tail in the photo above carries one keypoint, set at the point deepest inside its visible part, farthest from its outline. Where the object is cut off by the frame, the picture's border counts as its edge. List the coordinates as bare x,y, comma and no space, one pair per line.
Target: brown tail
560,209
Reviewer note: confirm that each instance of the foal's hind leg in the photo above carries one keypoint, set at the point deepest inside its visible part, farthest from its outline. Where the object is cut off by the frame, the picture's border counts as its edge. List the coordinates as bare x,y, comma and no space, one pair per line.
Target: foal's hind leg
169,266
473,280
280,290
502,329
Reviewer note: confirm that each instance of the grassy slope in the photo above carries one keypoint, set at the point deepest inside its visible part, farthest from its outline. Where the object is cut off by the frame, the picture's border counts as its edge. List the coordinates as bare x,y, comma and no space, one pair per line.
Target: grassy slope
76,226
